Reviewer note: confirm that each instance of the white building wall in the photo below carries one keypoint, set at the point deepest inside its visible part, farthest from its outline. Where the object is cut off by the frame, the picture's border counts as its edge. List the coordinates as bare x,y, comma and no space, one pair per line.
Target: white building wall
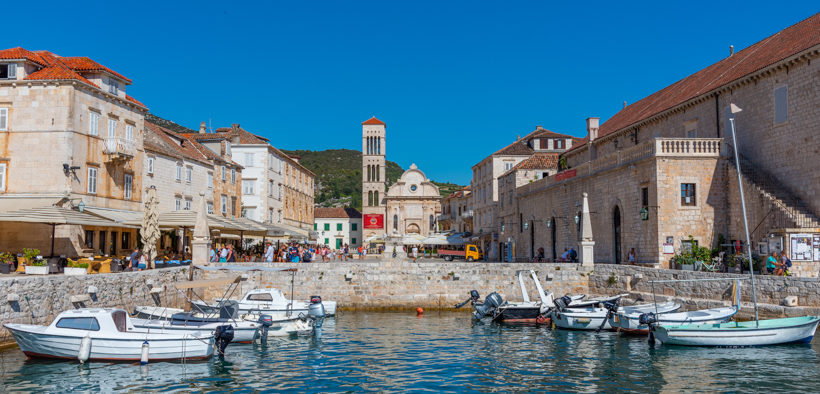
263,205
347,234
169,188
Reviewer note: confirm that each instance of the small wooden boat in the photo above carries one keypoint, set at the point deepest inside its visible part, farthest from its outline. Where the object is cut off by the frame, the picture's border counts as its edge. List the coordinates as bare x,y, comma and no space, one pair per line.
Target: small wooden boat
747,333
630,322
596,318
91,334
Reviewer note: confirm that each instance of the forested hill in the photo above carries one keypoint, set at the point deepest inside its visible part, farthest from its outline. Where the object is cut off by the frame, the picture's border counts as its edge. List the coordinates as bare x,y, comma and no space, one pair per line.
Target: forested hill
339,176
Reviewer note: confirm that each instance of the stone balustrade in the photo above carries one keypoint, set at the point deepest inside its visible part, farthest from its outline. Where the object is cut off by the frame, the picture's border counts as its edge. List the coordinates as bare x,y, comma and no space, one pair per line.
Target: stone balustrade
119,146
691,147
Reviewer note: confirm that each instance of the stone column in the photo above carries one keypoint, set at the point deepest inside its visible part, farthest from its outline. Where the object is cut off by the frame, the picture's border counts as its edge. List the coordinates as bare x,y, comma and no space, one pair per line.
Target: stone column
201,243
587,243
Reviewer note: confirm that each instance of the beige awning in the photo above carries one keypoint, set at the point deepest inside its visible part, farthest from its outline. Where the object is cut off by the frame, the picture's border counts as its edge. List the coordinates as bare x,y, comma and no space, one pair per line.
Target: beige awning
207,282
55,215
116,215
227,236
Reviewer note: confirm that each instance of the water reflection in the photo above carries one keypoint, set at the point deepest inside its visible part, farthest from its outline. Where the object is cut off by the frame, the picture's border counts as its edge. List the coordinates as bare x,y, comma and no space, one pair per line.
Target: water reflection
394,352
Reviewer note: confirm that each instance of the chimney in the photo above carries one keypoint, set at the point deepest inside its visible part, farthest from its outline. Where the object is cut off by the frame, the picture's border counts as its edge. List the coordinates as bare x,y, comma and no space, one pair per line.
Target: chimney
518,138
202,129
592,128
539,128
731,50
235,127
624,104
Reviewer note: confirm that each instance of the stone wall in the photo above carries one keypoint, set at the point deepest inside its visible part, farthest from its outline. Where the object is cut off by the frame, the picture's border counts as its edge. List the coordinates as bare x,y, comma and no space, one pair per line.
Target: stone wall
49,295
771,290
402,284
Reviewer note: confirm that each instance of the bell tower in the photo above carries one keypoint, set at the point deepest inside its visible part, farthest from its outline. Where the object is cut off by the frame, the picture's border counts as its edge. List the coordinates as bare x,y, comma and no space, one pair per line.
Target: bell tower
373,177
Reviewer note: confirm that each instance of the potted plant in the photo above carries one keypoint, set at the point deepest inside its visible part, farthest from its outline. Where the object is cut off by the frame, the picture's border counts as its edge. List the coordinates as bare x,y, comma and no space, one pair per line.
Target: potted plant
6,263
35,265
76,268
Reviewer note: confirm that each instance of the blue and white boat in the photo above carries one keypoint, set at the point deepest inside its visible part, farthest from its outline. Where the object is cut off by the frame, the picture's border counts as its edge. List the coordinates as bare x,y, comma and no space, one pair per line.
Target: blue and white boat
748,333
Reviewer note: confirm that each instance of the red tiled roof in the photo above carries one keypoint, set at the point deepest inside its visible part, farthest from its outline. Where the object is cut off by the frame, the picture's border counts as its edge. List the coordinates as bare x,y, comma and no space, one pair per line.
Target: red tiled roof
373,120
162,140
539,160
82,63
61,68
20,53
330,213
781,45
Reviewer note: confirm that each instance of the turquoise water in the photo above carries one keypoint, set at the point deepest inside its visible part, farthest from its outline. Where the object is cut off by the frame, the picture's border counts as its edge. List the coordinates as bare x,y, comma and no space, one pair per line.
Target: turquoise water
440,352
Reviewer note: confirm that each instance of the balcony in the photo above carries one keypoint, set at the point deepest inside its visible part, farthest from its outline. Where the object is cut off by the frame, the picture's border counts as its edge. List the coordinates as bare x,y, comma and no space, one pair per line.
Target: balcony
118,148
468,214
444,217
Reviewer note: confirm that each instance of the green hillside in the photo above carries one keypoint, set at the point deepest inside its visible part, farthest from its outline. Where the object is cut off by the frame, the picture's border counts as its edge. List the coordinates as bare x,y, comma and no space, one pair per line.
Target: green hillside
339,176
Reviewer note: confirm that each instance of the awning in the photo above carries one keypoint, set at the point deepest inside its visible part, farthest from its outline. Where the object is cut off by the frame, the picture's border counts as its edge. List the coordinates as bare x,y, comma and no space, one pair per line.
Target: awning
207,282
55,215
17,203
228,236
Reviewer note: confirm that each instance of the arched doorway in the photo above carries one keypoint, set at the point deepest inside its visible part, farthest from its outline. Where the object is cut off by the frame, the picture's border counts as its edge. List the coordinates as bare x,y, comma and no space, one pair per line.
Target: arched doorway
413,228
552,238
616,234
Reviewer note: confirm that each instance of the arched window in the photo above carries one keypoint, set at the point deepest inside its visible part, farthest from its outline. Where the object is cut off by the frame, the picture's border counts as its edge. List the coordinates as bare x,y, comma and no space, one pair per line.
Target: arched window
376,201
432,223
395,222
370,198
378,146
378,174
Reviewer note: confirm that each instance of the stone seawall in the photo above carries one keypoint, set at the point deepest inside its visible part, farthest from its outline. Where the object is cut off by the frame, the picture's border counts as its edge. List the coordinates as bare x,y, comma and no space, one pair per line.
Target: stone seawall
771,290
402,284
35,299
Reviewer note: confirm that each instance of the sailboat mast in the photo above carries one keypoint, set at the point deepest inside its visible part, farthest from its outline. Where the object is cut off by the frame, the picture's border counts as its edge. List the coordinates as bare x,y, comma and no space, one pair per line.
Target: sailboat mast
743,205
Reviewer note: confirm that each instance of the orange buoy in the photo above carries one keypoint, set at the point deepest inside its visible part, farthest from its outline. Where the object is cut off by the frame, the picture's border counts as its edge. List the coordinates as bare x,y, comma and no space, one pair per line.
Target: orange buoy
419,311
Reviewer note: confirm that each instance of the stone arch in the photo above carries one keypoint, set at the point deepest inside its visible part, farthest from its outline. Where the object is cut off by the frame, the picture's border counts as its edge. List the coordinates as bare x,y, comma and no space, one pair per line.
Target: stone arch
412,228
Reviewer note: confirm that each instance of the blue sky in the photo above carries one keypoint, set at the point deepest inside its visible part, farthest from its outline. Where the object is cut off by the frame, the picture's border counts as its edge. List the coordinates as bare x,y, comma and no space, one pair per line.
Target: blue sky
454,81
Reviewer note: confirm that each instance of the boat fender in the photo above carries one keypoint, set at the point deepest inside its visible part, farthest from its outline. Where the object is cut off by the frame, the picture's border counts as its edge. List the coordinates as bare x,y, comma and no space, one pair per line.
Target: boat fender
85,349
541,319
223,336
144,355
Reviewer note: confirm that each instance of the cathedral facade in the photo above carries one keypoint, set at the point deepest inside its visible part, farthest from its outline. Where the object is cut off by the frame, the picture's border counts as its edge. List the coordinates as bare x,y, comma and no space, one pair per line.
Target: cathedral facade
412,203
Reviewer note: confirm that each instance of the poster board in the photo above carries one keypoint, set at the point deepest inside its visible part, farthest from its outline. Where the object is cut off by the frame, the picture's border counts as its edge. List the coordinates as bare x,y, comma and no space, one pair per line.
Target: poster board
816,247
800,247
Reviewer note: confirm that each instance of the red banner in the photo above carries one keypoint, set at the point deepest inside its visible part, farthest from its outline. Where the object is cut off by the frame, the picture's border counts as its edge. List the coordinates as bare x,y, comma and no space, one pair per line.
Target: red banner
373,221
565,175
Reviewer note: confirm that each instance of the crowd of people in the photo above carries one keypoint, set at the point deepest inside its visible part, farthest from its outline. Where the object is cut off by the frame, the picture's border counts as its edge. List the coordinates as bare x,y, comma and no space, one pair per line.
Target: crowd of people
287,252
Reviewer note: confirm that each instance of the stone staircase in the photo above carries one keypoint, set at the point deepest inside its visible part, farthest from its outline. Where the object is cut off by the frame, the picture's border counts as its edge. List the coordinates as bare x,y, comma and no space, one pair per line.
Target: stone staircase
792,212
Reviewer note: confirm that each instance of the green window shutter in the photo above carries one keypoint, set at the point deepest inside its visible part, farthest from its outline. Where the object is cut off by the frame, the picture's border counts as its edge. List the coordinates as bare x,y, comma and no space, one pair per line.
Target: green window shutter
315,226
327,226
338,243
353,241
338,227
327,241
353,226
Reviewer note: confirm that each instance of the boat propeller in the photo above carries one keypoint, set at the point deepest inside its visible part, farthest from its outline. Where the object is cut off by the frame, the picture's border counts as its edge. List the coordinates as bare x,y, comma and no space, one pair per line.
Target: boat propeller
649,319
611,308
265,322
222,338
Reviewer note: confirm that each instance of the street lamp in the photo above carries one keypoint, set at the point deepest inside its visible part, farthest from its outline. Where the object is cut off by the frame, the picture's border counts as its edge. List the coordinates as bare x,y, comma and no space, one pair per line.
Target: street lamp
549,223
577,219
644,214
526,225
81,206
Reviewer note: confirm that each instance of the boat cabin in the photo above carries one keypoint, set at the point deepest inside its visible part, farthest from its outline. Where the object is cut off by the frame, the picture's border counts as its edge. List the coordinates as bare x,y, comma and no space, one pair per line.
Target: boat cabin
93,319
265,296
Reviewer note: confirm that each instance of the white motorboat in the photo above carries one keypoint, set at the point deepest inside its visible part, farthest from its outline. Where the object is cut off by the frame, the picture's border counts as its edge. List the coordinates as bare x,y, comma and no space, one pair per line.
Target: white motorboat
630,322
283,327
596,318
155,312
106,335
270,302
748,333
526,311
188,323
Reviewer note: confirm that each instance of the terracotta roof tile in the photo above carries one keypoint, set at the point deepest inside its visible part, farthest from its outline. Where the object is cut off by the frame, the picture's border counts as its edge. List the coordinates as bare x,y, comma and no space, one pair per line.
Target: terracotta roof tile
783,44
135,101
20,53
165,141
539,160
330,213
82,63
373,121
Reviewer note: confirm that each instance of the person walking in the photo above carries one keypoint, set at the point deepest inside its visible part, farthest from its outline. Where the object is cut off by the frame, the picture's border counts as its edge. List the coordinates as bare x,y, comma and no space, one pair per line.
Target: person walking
135,259
631,258
230,256
415,253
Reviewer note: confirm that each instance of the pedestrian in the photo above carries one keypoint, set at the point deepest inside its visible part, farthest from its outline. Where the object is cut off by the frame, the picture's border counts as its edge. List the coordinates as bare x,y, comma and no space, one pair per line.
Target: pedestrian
631,258
573,255
135,259
773,264
230,256
364,253
415,253
540,254
565,255
269,253
346,252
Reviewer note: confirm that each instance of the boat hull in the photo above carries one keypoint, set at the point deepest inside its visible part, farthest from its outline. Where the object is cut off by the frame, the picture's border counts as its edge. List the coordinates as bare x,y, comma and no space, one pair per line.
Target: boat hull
770,332
524,314
299,307
124,347
629,323
581,320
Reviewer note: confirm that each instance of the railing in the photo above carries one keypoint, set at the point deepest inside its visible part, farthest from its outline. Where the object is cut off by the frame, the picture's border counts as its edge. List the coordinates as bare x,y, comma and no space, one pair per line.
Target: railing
445,217
468,214
697,147
119,146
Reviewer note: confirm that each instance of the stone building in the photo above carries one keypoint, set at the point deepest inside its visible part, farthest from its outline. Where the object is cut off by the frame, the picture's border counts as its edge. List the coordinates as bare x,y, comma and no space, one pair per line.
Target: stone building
412,203
225,179
70,135
661,170
539,165
374,174
457,212
337,227
484,183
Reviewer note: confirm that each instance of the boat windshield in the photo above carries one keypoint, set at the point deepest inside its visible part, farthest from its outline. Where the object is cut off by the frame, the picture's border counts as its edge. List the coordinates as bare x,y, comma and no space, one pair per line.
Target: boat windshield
119,320
260,297
79,323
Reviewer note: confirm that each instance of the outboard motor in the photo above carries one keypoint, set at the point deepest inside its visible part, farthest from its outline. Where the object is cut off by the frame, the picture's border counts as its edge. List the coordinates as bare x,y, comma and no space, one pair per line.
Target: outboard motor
474,297
222,337
265,322
316,310
611,308
488,307
649,319
562,303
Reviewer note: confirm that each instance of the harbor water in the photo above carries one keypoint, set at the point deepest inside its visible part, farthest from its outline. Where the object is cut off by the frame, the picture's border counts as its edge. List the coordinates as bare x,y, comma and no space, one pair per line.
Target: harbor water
439,352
